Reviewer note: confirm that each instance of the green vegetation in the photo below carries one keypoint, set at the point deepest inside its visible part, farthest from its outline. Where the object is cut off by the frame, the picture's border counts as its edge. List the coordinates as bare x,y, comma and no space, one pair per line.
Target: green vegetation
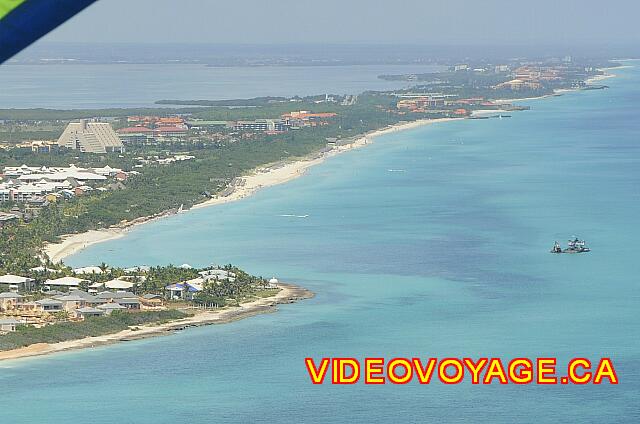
94,326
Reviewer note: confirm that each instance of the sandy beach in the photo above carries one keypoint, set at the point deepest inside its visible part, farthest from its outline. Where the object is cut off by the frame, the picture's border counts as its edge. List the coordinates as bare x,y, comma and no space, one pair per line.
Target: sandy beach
74,243
270,175
264,176
289,293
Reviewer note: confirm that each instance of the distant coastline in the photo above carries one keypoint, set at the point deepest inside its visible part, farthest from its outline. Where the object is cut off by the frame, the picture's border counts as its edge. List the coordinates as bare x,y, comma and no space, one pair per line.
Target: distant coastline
266,176
289,293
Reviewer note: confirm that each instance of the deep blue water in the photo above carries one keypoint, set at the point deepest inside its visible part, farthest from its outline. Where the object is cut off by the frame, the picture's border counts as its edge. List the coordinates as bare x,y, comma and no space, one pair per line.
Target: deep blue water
448,258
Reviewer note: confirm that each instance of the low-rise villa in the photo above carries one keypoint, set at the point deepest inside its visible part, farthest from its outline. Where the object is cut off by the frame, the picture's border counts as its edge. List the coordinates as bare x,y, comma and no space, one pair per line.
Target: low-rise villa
71,302
68,283
50,305
118,284
89,312
16,283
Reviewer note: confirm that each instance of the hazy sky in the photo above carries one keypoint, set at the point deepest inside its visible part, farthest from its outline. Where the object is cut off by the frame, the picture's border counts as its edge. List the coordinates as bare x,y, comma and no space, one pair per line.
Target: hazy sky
356,21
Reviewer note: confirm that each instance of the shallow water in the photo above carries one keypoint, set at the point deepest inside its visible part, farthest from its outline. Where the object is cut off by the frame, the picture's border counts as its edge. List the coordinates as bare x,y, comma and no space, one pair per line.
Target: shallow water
449,257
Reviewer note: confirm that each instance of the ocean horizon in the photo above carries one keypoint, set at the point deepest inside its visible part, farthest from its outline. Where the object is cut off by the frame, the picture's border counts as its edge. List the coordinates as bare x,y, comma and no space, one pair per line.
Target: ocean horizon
430,242
131,85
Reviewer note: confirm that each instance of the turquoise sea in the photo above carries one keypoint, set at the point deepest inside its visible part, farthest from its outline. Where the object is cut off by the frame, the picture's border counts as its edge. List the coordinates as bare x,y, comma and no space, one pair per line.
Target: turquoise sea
448,257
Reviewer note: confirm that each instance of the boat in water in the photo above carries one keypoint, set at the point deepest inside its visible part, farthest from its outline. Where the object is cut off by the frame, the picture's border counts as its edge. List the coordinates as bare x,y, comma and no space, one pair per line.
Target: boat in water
575,245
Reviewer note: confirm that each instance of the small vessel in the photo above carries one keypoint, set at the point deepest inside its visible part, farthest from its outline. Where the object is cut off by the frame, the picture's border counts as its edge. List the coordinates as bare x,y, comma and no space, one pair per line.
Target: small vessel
575,245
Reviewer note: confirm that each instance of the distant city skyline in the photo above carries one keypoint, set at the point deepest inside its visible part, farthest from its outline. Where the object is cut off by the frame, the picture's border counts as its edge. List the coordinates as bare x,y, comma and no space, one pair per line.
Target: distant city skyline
569,22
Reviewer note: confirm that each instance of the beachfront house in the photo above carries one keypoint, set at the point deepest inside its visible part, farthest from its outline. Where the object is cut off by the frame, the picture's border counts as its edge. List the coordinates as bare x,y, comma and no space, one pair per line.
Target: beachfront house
9,301
64,283
185,290
16,283
8,325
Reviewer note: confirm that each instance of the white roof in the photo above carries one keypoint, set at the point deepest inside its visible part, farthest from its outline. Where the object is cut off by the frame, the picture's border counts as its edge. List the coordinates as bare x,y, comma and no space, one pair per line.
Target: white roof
196,283
13,279
111,306
65,281
88,270
118,284
42,269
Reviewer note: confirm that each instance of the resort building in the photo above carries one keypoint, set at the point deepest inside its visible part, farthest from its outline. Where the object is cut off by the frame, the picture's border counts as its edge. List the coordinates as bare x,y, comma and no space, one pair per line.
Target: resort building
118,284
519,84
261,125
72,302
15,283
136,135
91,137
50,305
87,312
40,184
170,133
68,283
108,308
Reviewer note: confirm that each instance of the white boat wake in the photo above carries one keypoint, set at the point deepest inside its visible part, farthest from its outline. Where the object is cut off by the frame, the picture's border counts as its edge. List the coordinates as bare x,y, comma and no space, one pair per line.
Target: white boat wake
294,216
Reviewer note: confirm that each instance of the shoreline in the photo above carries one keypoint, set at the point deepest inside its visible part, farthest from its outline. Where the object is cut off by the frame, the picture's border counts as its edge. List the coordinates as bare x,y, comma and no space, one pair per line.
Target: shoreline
289,293
270,175
245,186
